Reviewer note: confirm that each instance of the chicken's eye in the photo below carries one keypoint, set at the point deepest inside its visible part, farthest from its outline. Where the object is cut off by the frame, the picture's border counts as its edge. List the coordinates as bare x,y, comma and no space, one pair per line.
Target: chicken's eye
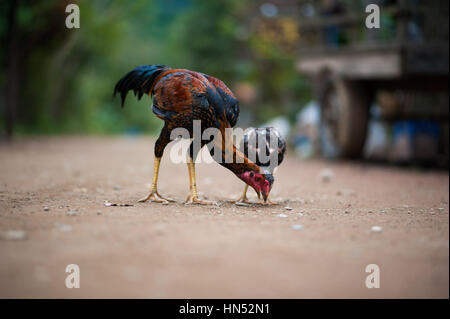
252,174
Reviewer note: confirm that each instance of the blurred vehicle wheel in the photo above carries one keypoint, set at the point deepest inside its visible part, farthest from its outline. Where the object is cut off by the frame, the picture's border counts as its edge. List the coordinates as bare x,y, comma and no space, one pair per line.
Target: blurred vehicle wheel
344,117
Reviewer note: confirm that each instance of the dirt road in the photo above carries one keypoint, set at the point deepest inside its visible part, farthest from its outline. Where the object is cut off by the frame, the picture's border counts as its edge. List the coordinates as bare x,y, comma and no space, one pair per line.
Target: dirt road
54,190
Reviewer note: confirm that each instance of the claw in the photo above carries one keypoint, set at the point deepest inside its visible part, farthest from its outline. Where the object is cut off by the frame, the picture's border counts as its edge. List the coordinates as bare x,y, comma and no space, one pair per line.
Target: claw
269,202
194,200
154,196
243,200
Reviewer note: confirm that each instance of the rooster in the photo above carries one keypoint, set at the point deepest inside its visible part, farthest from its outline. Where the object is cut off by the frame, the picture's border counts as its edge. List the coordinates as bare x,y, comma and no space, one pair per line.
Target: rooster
181,96
268,148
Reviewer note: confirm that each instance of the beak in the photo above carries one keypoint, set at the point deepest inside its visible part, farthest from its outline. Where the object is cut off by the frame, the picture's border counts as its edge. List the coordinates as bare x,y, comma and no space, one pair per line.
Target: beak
265,192
264,195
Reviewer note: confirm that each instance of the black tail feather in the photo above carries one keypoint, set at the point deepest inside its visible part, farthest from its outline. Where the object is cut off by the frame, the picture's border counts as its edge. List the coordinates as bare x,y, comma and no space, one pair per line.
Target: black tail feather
140,80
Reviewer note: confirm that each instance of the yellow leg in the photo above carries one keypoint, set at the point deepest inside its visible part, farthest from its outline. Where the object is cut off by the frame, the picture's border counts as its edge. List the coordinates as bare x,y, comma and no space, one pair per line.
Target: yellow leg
154,196
193,196
244,198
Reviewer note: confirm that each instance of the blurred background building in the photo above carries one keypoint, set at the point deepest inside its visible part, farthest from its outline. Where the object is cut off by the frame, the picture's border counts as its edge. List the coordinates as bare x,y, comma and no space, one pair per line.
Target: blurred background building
311,68
381,92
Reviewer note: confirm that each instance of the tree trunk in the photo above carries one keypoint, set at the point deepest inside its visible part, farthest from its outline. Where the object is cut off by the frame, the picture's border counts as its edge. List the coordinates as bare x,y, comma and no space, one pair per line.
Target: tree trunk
12,71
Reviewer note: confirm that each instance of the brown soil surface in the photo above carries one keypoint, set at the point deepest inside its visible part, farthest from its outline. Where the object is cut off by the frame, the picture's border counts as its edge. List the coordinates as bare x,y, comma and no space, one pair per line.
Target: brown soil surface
150,250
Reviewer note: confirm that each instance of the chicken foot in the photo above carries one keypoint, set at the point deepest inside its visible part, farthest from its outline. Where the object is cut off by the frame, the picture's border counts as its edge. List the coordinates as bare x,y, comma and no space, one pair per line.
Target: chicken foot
154,196
244,198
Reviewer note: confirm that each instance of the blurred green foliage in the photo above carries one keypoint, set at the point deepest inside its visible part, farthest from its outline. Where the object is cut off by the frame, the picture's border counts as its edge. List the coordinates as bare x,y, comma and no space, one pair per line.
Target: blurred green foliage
67,75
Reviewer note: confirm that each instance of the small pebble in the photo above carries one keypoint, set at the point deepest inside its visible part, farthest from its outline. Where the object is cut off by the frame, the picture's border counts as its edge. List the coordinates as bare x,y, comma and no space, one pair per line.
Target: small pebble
326,175
288,208
208,181
72,212
376,229
65,228
99,212
80,190
297,227
13,235
159,229
46,209
282,215
242,204
116,188
347,192
347,212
